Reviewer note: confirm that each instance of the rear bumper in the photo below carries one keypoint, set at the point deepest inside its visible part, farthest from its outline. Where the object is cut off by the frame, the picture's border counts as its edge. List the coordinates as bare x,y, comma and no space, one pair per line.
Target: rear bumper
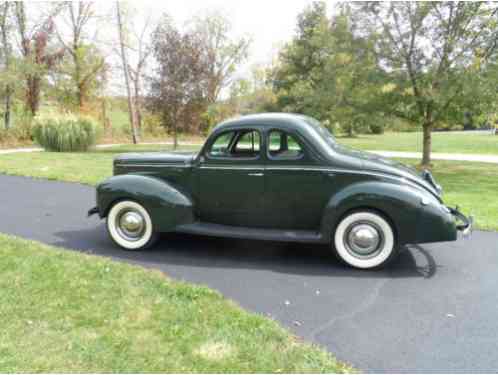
465,223
93,211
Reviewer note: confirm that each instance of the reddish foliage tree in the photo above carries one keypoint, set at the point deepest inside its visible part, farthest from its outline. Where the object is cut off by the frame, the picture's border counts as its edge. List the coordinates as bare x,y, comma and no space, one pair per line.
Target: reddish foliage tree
34,47
179,80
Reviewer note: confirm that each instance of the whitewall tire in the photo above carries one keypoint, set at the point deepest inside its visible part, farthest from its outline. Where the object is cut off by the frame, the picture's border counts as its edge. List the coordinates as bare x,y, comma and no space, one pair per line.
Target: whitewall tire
130,226
365,239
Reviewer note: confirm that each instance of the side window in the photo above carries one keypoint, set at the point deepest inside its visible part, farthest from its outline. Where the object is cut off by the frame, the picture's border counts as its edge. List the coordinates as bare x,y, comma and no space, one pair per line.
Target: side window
236,144
219,148
247,145
284,146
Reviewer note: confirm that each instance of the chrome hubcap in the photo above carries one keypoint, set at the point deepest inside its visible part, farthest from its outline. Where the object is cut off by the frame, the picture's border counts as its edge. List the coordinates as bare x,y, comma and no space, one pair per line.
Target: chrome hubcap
363,239
131,225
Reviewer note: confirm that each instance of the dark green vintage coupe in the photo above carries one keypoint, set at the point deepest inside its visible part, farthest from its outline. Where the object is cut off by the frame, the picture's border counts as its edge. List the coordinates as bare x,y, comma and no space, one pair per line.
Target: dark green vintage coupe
277,177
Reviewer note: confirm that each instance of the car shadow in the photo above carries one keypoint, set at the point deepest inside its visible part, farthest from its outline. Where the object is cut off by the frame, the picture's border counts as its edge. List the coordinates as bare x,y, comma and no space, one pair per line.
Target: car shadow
210,252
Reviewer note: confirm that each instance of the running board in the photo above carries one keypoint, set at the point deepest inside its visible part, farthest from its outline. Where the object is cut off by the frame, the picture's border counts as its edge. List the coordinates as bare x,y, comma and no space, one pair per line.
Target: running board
218,230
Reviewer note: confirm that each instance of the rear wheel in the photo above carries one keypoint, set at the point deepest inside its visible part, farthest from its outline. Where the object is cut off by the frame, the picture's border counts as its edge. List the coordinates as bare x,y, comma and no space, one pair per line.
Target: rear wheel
365,239
130,226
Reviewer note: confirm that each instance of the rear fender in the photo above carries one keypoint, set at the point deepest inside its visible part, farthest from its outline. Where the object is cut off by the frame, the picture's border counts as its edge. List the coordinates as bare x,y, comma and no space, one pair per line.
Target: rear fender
398,203
167,206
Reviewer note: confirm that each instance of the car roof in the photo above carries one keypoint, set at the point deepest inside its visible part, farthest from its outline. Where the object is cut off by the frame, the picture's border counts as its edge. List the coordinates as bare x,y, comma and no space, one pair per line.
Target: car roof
282,120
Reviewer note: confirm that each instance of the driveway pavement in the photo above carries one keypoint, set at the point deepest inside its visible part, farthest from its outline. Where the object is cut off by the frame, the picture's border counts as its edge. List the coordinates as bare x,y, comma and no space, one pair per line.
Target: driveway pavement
434,310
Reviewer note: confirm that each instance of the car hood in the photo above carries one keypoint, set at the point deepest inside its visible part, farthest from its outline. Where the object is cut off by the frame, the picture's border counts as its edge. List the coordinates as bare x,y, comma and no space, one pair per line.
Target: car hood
376,163
154,158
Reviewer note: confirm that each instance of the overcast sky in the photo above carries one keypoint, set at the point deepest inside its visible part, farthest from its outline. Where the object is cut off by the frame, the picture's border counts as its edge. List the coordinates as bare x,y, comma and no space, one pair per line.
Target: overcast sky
269,23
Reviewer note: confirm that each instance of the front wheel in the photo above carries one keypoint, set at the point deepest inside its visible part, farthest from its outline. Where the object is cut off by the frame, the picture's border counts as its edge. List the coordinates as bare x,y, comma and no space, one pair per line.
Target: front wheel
364,239
130,226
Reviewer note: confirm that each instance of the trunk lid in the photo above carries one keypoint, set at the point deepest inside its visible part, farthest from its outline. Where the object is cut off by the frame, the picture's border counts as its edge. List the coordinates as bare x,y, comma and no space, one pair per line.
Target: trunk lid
376,163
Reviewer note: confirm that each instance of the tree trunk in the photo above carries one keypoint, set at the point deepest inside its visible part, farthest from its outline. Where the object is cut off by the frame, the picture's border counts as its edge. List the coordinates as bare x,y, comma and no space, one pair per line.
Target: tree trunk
77,77
8,95
105,121
33,94
80,94
175,135
131,107
427,144
427,136
138,105
6,50
351,131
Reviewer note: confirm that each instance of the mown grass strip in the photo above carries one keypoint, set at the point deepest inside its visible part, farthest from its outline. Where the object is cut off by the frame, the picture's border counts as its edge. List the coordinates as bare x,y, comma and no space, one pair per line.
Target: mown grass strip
69,312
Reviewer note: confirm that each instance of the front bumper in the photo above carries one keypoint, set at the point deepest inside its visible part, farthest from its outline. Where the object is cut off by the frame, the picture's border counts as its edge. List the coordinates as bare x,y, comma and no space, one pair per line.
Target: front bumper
464,223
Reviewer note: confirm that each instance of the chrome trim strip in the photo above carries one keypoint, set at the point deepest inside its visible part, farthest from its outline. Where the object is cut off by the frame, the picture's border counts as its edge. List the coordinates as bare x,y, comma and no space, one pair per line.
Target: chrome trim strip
240,167
405,180
152,165
282,168
311,169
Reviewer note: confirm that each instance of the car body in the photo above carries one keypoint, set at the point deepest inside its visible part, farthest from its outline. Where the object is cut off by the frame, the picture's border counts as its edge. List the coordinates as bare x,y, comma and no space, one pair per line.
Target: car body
279,177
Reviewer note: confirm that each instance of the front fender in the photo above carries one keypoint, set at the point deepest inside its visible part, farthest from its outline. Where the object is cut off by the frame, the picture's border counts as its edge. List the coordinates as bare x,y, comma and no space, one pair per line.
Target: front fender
167,206
399,203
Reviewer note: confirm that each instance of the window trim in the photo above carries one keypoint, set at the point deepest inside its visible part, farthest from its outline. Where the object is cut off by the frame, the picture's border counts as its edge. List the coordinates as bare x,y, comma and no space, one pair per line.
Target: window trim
243,133
232,143
279,158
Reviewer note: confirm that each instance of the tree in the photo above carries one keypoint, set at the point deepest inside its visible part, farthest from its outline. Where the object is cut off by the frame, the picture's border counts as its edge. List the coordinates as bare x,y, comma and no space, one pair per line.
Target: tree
431,50
328,72
300,65
223,53
179,80
87,62
124,60
140,50
7,57
37,54
351,77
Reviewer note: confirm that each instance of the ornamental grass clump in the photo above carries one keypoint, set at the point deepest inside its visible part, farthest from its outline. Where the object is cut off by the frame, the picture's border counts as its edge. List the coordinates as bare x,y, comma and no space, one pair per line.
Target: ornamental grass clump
64,132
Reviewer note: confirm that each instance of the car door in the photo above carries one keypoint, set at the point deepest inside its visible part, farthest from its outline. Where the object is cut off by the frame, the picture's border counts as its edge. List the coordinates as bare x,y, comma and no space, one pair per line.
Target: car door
231,179
296,189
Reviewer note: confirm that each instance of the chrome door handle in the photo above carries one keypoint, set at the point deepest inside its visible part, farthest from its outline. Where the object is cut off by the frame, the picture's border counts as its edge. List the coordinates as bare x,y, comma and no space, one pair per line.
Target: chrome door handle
255,174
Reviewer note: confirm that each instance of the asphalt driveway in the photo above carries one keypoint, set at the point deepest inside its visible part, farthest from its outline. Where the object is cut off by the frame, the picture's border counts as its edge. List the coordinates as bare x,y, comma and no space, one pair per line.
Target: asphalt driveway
433,310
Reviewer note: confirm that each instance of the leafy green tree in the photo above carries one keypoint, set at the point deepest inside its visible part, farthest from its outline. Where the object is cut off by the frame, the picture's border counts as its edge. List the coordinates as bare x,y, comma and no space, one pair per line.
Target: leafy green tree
79,76
223,53
301,62
329,72
85,63
434,53
351,77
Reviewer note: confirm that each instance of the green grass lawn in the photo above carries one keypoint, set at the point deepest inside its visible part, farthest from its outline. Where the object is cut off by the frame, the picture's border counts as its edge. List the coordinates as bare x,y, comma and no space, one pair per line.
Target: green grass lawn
87,168
412,142
63,311
470,185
